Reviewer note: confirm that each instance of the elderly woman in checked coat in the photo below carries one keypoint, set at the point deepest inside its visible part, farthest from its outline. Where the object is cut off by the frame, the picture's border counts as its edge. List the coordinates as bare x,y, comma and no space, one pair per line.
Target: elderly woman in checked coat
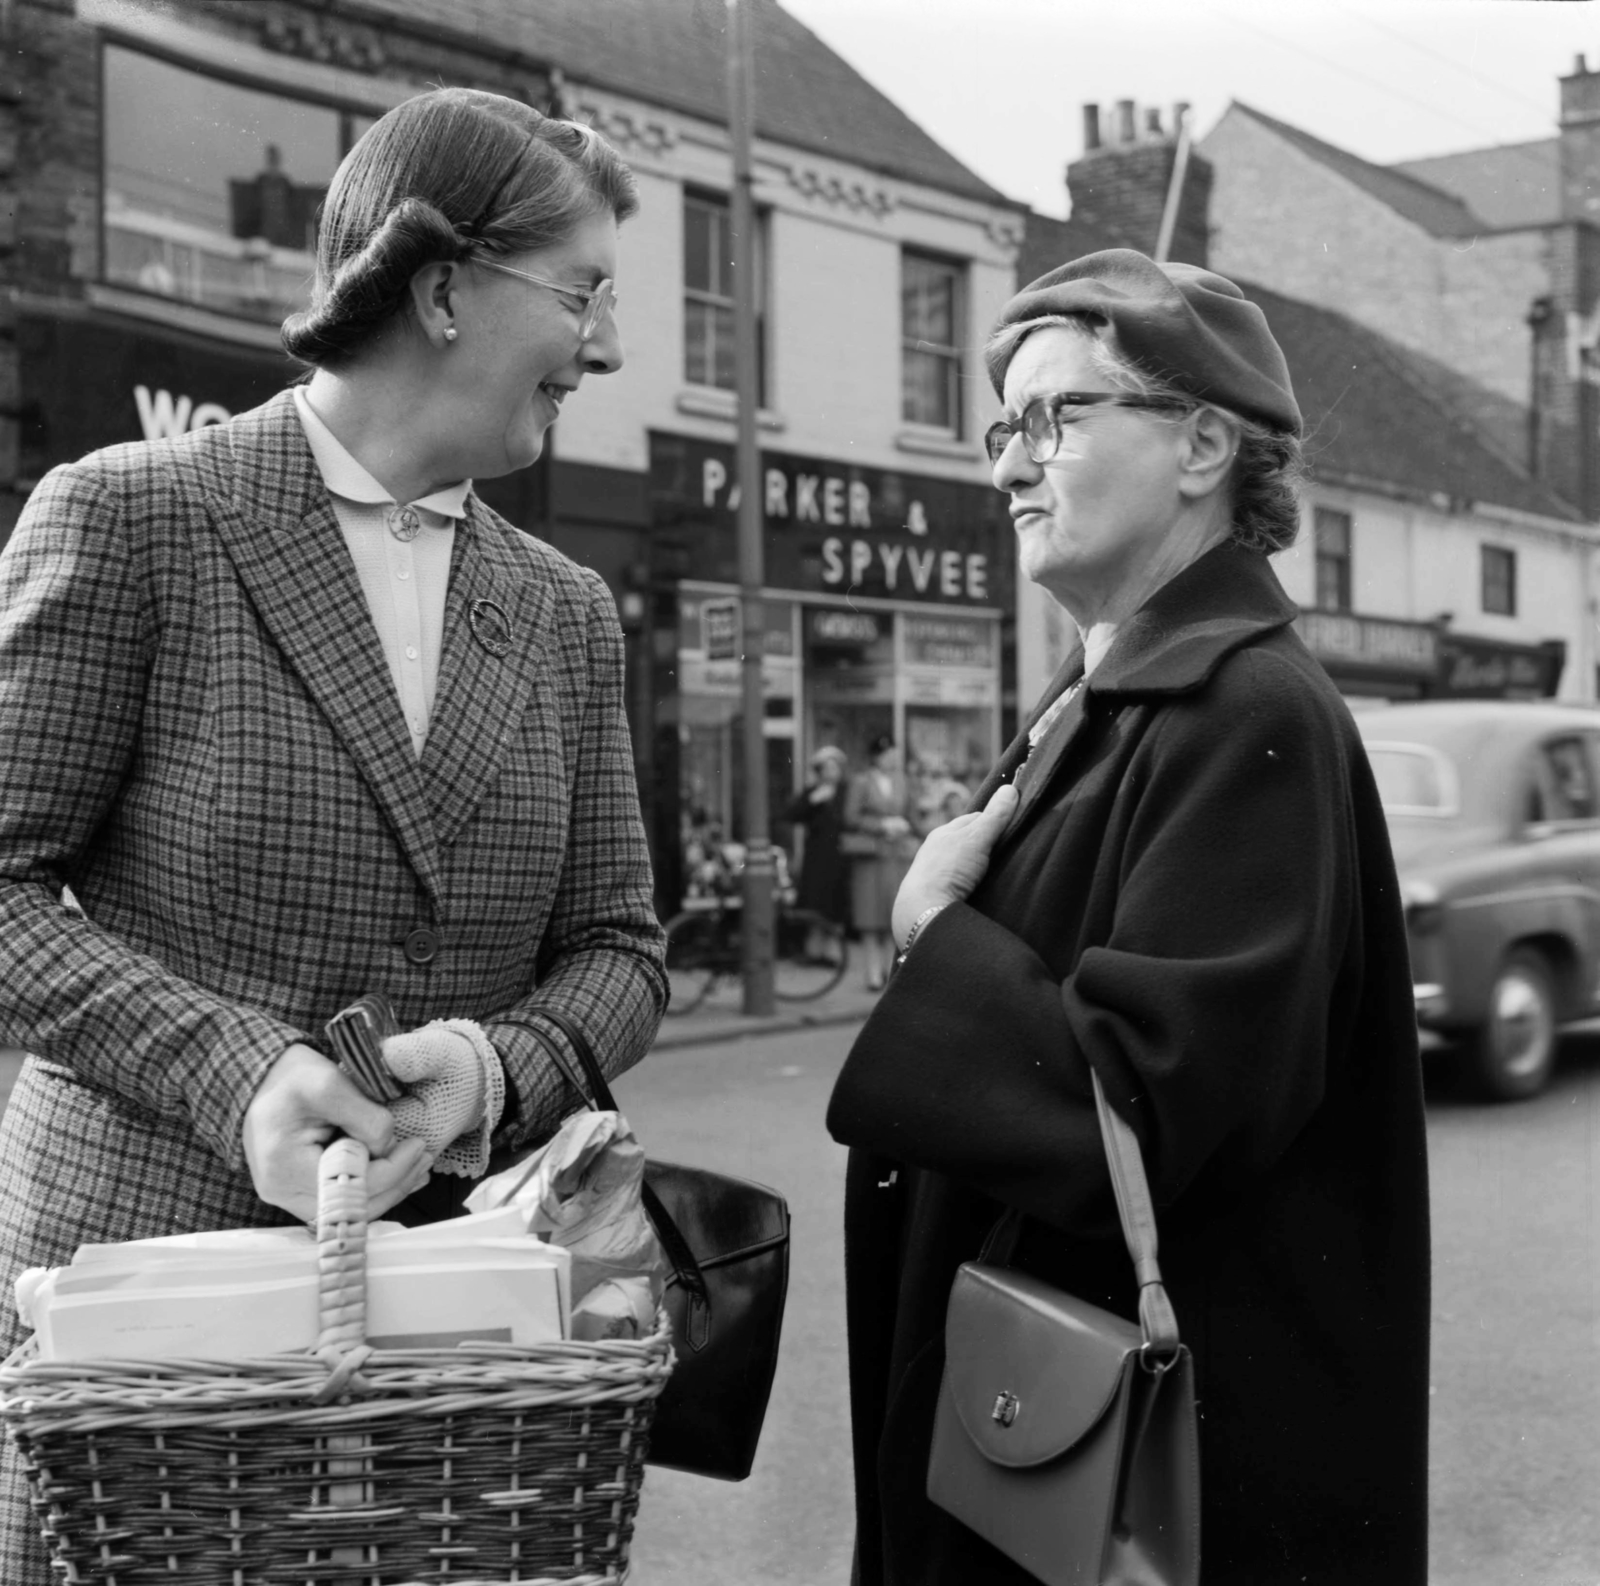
1177,879
295,717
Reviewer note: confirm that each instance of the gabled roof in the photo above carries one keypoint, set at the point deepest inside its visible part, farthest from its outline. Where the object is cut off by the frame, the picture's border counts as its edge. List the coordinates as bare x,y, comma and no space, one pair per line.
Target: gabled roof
1375,412
673,53
1439,213
1512,185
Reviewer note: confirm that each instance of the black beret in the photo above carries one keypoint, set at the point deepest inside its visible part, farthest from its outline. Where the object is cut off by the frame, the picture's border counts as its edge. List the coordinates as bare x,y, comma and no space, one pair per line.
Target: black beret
1177,322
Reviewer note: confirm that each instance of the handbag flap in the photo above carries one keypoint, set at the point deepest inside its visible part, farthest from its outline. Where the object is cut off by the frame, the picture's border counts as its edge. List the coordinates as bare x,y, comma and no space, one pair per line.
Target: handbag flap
1028,1368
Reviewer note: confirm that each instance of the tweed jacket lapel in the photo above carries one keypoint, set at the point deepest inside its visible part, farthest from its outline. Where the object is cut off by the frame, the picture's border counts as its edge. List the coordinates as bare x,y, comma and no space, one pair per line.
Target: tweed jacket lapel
481,696
276,521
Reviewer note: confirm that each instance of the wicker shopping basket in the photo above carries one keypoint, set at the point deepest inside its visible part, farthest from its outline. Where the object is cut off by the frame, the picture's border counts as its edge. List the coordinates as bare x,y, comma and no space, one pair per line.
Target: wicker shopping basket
478,1466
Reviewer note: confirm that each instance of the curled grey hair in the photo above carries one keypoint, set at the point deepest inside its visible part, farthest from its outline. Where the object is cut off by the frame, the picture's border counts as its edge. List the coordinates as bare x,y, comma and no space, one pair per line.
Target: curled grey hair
1268,467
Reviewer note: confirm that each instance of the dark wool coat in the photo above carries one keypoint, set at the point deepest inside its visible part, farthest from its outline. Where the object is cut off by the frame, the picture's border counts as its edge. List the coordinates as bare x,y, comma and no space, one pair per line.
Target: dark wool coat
202,739
1196,900
824,872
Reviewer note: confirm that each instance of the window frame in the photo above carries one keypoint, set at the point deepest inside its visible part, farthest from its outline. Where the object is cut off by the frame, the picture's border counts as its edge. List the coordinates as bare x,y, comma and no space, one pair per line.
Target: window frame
722,203
952,353
1341,562
1487,555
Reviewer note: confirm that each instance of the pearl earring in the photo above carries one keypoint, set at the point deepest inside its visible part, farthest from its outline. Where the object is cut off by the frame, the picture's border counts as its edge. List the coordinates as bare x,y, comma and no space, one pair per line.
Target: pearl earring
449,333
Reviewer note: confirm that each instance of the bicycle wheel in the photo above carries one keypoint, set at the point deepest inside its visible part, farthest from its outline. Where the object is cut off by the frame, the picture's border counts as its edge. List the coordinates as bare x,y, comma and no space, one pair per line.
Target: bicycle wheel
694,958
810,956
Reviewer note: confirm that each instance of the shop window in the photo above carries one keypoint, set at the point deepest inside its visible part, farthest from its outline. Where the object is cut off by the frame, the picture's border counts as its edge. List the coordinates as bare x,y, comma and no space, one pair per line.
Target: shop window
1499,568
708,340
931,314
1332,538
210,190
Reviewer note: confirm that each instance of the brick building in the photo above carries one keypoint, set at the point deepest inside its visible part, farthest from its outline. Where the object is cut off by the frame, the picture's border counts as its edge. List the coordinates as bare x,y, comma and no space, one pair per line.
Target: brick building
1434,559
162,165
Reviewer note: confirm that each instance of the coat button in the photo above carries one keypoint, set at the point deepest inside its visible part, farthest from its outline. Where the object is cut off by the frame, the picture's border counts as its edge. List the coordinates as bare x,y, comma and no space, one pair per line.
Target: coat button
422,945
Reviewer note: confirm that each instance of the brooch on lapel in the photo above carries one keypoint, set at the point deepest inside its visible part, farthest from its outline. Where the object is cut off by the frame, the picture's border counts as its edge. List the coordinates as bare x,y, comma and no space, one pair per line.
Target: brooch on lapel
491,627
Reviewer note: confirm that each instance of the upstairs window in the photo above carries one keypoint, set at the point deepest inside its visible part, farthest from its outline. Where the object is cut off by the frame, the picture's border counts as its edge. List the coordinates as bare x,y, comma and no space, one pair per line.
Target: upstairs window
931,316
1499,569
708,355
1332,537
210,190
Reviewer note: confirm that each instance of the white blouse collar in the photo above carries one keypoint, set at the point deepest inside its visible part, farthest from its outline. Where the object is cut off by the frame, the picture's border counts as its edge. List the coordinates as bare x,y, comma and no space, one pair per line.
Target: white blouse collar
345,477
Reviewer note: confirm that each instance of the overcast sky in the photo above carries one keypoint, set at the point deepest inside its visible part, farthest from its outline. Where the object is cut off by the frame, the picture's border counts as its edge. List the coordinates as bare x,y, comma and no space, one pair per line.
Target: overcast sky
1001,83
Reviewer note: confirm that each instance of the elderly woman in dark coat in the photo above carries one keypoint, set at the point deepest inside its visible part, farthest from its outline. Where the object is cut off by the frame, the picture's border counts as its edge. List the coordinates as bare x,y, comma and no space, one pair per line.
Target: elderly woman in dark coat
1178,879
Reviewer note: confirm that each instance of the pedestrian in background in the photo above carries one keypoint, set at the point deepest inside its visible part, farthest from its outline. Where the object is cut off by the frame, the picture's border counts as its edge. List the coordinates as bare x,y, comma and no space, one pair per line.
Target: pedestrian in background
1178,882
877,821
296,717
818,808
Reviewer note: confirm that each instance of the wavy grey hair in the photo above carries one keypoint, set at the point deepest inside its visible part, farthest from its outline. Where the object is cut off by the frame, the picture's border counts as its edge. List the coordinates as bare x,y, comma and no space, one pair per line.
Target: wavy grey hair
1268,468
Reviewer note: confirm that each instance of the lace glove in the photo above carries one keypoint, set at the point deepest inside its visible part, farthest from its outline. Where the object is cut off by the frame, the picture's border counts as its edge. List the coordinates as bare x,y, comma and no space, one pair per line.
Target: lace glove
456,1091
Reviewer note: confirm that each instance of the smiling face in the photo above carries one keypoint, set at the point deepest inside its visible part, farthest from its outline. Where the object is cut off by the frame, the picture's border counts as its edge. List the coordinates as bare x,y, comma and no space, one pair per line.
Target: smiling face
517,356
1099,519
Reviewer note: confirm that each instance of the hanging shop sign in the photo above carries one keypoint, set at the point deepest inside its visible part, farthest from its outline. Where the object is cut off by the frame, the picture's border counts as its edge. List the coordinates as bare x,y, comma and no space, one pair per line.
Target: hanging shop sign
1373,645
1471,668
833,527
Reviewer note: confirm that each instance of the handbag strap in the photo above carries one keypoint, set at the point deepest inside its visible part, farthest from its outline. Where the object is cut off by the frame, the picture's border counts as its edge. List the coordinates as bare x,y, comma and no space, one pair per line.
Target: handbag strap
1136,1212
594,1090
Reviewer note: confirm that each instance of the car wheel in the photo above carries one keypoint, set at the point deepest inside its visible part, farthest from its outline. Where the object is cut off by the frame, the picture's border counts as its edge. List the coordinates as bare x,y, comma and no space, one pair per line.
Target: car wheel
1515,1049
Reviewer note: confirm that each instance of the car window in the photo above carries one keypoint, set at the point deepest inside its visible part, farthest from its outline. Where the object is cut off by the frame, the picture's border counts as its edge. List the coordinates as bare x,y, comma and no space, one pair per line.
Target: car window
1413,779
1565,785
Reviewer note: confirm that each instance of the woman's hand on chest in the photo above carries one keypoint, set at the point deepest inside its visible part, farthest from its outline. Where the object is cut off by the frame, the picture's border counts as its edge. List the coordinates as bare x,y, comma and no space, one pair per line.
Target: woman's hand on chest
952,860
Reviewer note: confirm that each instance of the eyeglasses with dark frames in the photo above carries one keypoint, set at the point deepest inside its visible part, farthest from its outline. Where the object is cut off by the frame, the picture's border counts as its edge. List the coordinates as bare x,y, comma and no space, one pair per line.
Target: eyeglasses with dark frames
1039,423
595,301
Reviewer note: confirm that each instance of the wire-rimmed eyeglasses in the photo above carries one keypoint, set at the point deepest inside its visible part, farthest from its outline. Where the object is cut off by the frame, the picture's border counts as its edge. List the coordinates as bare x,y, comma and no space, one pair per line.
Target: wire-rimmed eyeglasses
595,301
1039,423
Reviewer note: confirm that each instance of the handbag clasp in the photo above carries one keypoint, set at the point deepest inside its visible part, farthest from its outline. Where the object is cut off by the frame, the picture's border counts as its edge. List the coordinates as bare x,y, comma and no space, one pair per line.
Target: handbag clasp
1005,1408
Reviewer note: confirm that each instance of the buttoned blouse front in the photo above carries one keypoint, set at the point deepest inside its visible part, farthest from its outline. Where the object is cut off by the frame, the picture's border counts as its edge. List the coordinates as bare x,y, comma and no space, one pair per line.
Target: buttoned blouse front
401,552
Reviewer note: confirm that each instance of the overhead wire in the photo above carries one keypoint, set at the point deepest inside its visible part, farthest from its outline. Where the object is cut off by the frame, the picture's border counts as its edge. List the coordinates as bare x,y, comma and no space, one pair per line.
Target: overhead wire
1383,88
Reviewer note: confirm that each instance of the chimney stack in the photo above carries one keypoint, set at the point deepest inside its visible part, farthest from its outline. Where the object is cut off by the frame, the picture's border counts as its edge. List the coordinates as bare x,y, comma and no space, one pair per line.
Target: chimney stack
1119,186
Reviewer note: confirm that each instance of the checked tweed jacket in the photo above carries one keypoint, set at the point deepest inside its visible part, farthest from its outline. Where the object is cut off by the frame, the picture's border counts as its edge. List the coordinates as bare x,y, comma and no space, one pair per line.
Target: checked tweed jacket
200,738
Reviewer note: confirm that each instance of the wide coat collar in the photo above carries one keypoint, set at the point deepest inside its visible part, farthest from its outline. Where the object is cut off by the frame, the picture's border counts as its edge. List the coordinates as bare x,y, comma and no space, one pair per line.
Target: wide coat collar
1170,646
277,524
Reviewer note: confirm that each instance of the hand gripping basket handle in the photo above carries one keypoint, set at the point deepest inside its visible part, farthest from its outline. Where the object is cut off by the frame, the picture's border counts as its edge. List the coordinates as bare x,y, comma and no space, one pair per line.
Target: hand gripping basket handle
592,1087
1156,1317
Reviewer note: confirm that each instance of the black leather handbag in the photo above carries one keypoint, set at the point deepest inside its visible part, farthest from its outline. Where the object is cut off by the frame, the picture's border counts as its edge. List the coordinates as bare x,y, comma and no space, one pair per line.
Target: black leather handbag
1066,1436
728,1242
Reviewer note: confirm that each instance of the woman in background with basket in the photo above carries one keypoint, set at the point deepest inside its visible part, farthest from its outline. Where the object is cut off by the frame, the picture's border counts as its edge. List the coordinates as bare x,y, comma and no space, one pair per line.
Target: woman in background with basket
295,717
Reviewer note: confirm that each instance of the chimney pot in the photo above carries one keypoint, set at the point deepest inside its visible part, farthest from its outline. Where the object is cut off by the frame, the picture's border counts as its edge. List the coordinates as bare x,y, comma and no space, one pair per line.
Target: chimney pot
1152,122
1127,132
1580,67
1091,128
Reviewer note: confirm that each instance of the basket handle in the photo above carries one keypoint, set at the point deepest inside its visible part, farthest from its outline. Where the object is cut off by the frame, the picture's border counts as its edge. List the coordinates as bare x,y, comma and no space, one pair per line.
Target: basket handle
342,1246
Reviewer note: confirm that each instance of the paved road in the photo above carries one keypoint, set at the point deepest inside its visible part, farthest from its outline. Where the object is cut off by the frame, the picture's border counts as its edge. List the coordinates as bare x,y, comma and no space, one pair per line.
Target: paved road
1516,1406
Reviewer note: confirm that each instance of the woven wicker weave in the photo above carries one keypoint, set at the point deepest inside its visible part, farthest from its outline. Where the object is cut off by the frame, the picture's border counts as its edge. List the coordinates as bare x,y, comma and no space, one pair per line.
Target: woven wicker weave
477,1466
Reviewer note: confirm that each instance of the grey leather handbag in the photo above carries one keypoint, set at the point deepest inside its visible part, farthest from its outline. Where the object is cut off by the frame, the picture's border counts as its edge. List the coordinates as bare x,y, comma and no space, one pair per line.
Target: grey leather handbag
1065,1436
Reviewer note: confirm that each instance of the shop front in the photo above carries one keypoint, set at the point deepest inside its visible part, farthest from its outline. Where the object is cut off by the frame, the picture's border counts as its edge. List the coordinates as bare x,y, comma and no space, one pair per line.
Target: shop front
90,378
888,610
1383,658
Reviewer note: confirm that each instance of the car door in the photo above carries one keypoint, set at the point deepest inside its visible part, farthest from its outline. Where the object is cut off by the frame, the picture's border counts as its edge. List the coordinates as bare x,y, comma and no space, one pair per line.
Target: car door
1565,826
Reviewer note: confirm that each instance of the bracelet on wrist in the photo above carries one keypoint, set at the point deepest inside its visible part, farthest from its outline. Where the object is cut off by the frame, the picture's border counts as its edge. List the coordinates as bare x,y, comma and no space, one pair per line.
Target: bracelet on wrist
917,925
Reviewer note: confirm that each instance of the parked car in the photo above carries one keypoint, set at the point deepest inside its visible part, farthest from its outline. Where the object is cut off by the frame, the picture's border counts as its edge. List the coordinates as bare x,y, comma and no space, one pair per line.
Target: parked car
1494,813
